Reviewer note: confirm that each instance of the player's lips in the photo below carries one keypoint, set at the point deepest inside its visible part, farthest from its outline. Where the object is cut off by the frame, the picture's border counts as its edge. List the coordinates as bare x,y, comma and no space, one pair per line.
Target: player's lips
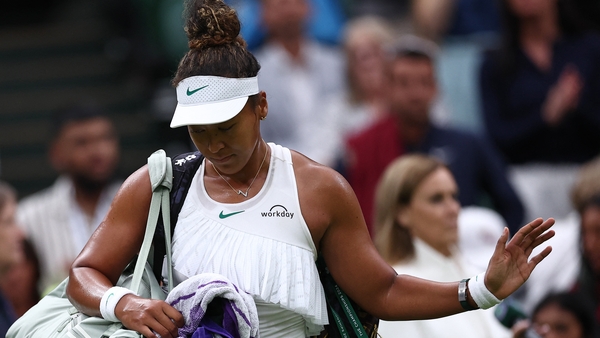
221,160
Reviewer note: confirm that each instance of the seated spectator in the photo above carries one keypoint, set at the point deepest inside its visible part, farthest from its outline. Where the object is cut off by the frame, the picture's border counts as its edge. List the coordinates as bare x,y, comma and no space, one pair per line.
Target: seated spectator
21,281
561,315
586,198
299,74
416,214
474,162
60,219
464,29
363,100
10,250
575,262
540,102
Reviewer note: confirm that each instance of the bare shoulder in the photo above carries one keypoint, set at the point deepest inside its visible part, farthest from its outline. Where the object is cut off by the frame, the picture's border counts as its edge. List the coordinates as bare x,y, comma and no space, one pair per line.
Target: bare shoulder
326,199
321,179
122,228
136,189
131,204
138,181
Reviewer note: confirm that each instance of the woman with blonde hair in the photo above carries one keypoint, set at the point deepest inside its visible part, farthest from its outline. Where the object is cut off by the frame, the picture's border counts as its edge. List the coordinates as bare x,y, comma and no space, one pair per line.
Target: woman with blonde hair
416,213
363,100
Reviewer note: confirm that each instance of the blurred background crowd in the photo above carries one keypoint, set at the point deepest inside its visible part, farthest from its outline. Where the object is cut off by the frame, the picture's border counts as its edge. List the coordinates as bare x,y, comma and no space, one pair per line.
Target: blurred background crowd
502,96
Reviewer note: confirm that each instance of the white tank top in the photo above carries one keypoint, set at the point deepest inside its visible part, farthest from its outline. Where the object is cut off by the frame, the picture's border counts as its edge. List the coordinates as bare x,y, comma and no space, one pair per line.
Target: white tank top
262,245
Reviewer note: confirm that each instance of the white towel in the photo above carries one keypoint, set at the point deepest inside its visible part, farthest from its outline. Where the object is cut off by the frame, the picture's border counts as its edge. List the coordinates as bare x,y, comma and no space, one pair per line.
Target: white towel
193,295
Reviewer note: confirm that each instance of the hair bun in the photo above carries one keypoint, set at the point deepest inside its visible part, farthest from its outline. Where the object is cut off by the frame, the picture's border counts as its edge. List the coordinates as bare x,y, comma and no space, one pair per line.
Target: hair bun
211,23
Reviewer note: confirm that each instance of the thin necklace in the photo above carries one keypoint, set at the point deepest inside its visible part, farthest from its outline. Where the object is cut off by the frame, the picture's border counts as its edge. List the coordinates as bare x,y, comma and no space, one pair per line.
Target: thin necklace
239,192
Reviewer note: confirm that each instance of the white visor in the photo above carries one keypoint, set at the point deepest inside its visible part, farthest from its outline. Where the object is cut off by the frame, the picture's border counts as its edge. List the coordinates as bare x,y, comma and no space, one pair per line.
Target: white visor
211,99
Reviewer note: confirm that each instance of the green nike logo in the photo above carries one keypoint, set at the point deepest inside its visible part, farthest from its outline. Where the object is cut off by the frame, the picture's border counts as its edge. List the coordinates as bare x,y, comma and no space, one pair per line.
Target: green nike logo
222,215
191,92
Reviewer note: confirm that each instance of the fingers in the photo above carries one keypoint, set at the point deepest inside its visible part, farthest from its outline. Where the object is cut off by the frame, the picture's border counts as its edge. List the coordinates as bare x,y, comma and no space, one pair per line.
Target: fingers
525,230
168,322
151,318
537,232
547,224
162,326
529,233
538,241
501,244
535,260
166,327
146,332
153,328
175,316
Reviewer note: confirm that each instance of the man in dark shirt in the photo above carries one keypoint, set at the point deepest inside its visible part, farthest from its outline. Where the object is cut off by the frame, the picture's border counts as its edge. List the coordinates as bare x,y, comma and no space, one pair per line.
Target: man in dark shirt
476,165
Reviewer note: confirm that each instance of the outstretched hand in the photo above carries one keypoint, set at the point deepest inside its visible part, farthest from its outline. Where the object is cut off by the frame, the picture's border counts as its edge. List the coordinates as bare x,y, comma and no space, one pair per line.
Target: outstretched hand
510,265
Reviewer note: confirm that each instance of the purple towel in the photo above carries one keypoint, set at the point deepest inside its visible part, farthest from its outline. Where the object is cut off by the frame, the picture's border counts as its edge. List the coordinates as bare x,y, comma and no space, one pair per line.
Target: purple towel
191,298
208,329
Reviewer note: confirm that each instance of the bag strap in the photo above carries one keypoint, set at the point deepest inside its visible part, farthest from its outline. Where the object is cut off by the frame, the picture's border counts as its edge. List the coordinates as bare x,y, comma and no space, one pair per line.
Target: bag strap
184,168
332,290
161,175
359,330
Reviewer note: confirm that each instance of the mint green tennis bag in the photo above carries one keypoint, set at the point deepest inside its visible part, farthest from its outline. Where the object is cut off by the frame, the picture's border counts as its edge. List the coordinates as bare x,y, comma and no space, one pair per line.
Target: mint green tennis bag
54,316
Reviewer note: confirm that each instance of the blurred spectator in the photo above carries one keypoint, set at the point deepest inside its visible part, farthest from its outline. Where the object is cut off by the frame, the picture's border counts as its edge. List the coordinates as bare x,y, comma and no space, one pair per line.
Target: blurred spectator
586,199
20,283
475,164
298,74
478,231
560,271
463,28
324,24
560,315
363,100
540,100
437,20
575,260
417,232
10,251
60,219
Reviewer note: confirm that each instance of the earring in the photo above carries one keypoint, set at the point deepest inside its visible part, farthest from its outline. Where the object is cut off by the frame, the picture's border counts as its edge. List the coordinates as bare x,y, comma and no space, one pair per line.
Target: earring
262,118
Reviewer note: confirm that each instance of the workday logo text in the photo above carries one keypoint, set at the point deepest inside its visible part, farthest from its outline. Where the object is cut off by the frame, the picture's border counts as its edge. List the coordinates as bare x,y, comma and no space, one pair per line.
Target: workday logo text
278,211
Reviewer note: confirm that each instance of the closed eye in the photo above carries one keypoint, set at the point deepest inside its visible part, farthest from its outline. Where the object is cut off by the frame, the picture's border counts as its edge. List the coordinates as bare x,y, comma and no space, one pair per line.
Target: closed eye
226,128
437,198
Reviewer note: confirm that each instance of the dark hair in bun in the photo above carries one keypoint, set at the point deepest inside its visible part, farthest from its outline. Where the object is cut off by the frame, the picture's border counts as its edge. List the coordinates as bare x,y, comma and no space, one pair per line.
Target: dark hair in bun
216,48
211,23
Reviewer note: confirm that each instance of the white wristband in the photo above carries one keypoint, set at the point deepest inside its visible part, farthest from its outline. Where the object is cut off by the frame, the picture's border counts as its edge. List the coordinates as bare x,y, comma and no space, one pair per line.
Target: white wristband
480,294
109,301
